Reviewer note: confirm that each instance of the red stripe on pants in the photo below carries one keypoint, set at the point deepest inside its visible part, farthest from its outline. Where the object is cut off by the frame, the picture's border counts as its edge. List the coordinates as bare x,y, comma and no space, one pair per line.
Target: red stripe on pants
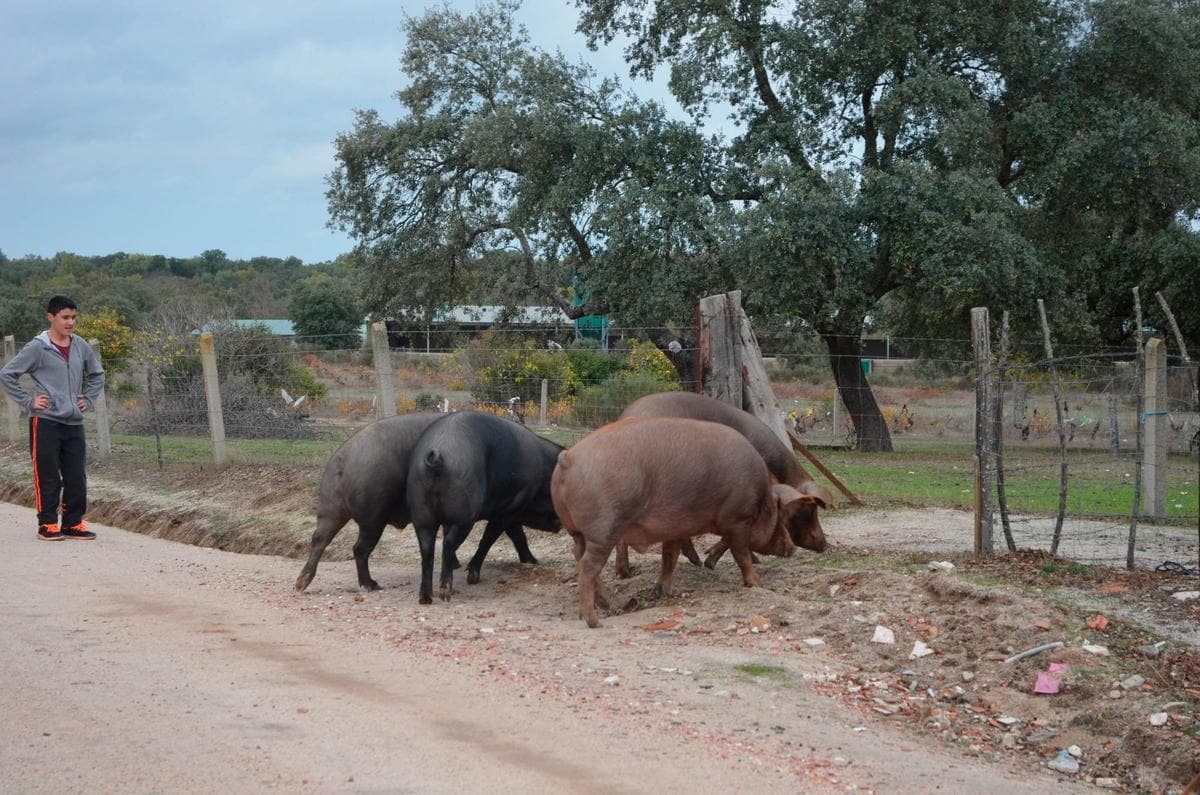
37,486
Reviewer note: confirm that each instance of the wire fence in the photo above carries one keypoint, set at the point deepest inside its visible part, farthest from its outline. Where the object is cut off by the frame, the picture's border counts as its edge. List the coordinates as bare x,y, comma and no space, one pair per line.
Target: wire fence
290,402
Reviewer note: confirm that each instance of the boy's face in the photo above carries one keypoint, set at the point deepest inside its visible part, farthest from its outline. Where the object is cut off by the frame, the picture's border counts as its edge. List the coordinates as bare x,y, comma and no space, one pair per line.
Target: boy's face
62,324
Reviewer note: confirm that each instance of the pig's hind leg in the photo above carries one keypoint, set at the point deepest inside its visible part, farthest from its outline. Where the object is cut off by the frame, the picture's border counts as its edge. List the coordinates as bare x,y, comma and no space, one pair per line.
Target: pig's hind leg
328,526
452,538
369,534
426,541
590,588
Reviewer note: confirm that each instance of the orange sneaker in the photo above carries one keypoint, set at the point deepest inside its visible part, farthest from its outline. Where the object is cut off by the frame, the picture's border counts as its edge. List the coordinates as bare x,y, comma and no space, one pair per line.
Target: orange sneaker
49,532
78,532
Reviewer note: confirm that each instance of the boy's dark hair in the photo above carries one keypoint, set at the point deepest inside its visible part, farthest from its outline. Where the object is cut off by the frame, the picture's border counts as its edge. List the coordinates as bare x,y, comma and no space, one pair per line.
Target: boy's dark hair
58,303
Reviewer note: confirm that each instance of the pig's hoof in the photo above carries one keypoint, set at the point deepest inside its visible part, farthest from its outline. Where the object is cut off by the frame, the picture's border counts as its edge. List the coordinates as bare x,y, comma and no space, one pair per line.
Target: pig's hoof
302,582
710,563
423,599
472,576
663,593
445,592
625,573
369,585
530,559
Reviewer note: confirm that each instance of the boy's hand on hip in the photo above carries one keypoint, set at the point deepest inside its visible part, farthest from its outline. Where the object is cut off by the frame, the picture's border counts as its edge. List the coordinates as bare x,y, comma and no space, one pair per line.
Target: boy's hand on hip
41,402
81,401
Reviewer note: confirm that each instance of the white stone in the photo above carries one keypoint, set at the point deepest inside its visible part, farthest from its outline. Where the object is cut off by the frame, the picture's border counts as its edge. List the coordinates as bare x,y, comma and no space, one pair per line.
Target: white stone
941,565
883,635
1132,682
1186,596
919,650
814,642
1091,648
1075,751
1063,762
1159,719
612,681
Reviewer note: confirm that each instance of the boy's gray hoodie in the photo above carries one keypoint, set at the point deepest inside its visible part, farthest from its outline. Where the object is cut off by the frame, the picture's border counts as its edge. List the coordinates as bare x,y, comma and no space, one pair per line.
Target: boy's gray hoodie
53,375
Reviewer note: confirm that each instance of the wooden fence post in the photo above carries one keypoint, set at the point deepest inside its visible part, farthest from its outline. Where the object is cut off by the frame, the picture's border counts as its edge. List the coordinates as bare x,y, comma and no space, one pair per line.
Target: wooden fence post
1114,426
998,433
1018,412
385,390
212,393
981,339
1154,433
12,412
103,425
1062,434
836,436
719,336
1137,450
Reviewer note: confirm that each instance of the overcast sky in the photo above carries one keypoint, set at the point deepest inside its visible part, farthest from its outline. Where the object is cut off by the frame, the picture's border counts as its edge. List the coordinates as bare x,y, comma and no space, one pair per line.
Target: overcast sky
176,127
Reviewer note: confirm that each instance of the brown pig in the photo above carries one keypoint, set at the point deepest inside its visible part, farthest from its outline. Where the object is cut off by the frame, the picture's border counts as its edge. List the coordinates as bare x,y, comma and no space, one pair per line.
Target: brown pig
804,527
652,480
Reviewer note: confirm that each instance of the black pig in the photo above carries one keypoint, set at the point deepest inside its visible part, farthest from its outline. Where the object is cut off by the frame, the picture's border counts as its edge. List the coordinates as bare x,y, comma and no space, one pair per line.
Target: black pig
472,466
365,481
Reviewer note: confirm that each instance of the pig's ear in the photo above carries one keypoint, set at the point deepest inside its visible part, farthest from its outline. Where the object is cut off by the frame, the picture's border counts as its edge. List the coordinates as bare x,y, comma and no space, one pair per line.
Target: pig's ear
820,493
785,495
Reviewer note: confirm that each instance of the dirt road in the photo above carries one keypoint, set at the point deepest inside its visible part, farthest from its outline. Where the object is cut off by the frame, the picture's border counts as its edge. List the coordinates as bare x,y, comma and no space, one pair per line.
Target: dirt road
133,664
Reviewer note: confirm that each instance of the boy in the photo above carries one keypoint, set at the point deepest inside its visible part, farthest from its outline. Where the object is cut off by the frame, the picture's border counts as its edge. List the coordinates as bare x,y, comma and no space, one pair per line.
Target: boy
58,361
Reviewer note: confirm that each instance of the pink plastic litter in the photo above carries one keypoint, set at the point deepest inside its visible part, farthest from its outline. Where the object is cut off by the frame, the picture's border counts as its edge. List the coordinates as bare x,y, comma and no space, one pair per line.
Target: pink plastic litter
1048,682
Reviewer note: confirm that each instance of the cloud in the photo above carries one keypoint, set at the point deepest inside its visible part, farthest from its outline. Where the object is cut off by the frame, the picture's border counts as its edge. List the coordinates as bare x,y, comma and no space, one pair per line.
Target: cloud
297,167
176,127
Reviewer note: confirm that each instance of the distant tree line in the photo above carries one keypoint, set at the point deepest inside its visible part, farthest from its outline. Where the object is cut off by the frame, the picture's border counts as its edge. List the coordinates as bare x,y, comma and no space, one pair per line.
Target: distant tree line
129,290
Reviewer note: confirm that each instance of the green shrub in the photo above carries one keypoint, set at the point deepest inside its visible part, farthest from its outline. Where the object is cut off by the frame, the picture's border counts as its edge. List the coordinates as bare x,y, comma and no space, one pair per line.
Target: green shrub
500,367
646,359
592,365
602,403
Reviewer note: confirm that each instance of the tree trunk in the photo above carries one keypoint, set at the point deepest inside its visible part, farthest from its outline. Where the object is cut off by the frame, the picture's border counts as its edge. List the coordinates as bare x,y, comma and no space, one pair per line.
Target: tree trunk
845,355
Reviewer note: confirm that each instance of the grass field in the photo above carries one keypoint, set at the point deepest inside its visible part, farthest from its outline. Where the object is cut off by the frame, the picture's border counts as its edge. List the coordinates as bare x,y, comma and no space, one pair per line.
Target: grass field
942,474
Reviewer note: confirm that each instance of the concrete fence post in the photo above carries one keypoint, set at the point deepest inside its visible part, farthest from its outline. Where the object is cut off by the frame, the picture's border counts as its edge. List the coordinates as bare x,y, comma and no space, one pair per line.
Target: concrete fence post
12,412
103,421
212,393
1154,439
385,389
544,406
